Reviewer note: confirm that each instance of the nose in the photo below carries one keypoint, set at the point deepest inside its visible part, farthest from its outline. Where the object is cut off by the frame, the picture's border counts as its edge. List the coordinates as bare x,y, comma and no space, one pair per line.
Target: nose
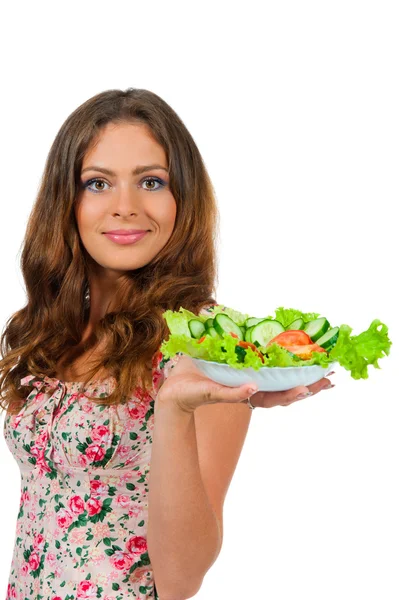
126,200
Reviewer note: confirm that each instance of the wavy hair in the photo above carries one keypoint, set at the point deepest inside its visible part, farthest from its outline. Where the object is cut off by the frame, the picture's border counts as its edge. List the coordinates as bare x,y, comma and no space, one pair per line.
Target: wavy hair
55,267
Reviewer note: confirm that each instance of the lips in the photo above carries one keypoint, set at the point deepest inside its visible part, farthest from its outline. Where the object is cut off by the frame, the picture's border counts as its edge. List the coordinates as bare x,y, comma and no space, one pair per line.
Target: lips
126,231
125,238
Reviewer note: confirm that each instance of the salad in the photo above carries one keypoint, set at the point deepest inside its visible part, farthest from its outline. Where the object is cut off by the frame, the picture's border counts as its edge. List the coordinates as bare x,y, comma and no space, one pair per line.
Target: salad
290,338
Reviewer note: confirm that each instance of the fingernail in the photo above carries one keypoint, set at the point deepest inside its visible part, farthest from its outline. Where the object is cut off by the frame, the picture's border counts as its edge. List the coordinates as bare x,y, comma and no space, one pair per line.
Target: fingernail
302,396
328,386
252,391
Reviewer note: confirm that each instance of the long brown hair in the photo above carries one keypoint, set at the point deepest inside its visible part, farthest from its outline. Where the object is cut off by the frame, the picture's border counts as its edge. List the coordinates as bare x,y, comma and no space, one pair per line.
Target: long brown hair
55,268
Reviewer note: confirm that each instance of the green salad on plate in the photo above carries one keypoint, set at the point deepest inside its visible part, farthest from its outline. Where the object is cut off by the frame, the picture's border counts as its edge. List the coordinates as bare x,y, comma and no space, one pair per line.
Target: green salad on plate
290,338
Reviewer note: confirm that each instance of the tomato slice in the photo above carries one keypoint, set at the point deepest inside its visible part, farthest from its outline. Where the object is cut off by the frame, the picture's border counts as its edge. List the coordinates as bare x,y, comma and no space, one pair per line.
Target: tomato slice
234,335
201,339
305,352
294,337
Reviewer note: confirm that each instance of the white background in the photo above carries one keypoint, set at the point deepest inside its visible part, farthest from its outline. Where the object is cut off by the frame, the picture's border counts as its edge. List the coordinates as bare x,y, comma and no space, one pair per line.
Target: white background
295,111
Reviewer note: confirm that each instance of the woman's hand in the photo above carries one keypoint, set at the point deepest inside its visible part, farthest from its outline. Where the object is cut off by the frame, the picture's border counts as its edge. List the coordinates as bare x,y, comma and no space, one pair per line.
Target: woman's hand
188,388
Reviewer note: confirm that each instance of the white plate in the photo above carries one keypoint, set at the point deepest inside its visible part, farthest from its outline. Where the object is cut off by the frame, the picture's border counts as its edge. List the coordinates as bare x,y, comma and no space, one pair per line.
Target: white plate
268,379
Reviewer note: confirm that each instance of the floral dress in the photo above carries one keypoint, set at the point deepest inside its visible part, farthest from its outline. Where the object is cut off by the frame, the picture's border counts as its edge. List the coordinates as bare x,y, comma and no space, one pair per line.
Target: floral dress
82,521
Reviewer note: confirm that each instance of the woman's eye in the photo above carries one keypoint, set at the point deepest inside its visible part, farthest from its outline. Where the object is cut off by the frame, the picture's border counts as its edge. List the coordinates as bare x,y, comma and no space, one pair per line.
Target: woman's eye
96,180
154,180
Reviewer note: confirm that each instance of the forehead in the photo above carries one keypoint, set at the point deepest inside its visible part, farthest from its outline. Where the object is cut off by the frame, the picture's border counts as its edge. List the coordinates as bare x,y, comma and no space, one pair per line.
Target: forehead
124,146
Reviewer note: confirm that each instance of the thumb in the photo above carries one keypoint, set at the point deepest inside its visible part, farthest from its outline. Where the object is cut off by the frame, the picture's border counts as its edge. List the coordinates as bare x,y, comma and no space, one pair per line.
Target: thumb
236,394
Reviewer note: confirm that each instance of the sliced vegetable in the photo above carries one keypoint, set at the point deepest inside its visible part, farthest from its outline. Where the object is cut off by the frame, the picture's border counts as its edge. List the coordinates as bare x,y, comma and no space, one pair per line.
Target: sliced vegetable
208,323
196,328
297,324
223,324
305,352
248,334
316,328
291,338
212,332
329,339
253,321
264,331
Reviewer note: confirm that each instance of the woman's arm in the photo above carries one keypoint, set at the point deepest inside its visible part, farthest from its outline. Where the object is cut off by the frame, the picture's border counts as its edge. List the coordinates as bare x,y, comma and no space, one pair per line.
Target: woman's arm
183,535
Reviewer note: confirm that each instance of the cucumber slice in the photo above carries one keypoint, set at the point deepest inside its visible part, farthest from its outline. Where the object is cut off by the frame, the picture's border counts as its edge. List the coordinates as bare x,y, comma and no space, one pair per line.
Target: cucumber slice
316,328
196,328
208,323
212,332
329,339
248,334
297,325
243,329
266,330
223,324
253,321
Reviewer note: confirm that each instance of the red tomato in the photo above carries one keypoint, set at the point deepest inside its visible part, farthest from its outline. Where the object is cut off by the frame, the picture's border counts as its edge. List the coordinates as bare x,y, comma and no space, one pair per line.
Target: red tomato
305,352
294,337
234,335
201,339
253,347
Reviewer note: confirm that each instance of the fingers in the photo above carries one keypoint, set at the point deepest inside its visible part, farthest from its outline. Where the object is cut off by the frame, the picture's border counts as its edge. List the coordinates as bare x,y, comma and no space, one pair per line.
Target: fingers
299,393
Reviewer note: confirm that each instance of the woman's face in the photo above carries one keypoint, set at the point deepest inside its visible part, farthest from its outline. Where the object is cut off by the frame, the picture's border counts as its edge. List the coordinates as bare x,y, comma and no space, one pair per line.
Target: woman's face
122,199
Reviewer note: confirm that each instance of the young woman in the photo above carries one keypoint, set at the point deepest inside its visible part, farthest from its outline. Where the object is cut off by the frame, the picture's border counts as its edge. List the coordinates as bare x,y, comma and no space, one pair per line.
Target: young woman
124,470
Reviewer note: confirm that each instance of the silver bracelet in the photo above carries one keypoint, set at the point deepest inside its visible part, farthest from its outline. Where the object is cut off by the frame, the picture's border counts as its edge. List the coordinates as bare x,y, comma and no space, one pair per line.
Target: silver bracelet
250,405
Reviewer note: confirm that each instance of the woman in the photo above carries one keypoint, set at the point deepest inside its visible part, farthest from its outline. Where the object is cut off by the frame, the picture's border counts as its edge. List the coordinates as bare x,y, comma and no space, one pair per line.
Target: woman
124,470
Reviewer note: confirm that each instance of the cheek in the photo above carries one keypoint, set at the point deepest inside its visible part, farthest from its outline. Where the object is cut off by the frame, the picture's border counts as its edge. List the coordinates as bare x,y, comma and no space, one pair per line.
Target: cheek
87,216
165,216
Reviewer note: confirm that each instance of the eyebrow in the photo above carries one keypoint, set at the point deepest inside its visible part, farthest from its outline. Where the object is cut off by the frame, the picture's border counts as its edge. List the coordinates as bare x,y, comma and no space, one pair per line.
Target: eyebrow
137,171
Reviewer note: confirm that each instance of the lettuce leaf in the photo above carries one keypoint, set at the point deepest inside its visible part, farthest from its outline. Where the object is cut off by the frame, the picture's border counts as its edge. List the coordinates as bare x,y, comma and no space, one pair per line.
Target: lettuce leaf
287,315
355,353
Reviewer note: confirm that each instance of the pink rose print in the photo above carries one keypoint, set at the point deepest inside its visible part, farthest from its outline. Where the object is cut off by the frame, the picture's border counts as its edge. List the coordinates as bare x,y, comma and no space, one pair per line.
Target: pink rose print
34,561
138,412
151,422
121,560
86,589
38,542
25,569
51,558
76,504
124,477
37,451
98,487
56,598
122,500
93,506
83,460
64,518
95,452
136,544
100,433
123,451
11,593
157,377
25,497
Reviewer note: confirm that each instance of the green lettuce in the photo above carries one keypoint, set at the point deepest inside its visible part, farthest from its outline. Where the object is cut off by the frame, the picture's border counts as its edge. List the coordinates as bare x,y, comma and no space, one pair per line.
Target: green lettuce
354,353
